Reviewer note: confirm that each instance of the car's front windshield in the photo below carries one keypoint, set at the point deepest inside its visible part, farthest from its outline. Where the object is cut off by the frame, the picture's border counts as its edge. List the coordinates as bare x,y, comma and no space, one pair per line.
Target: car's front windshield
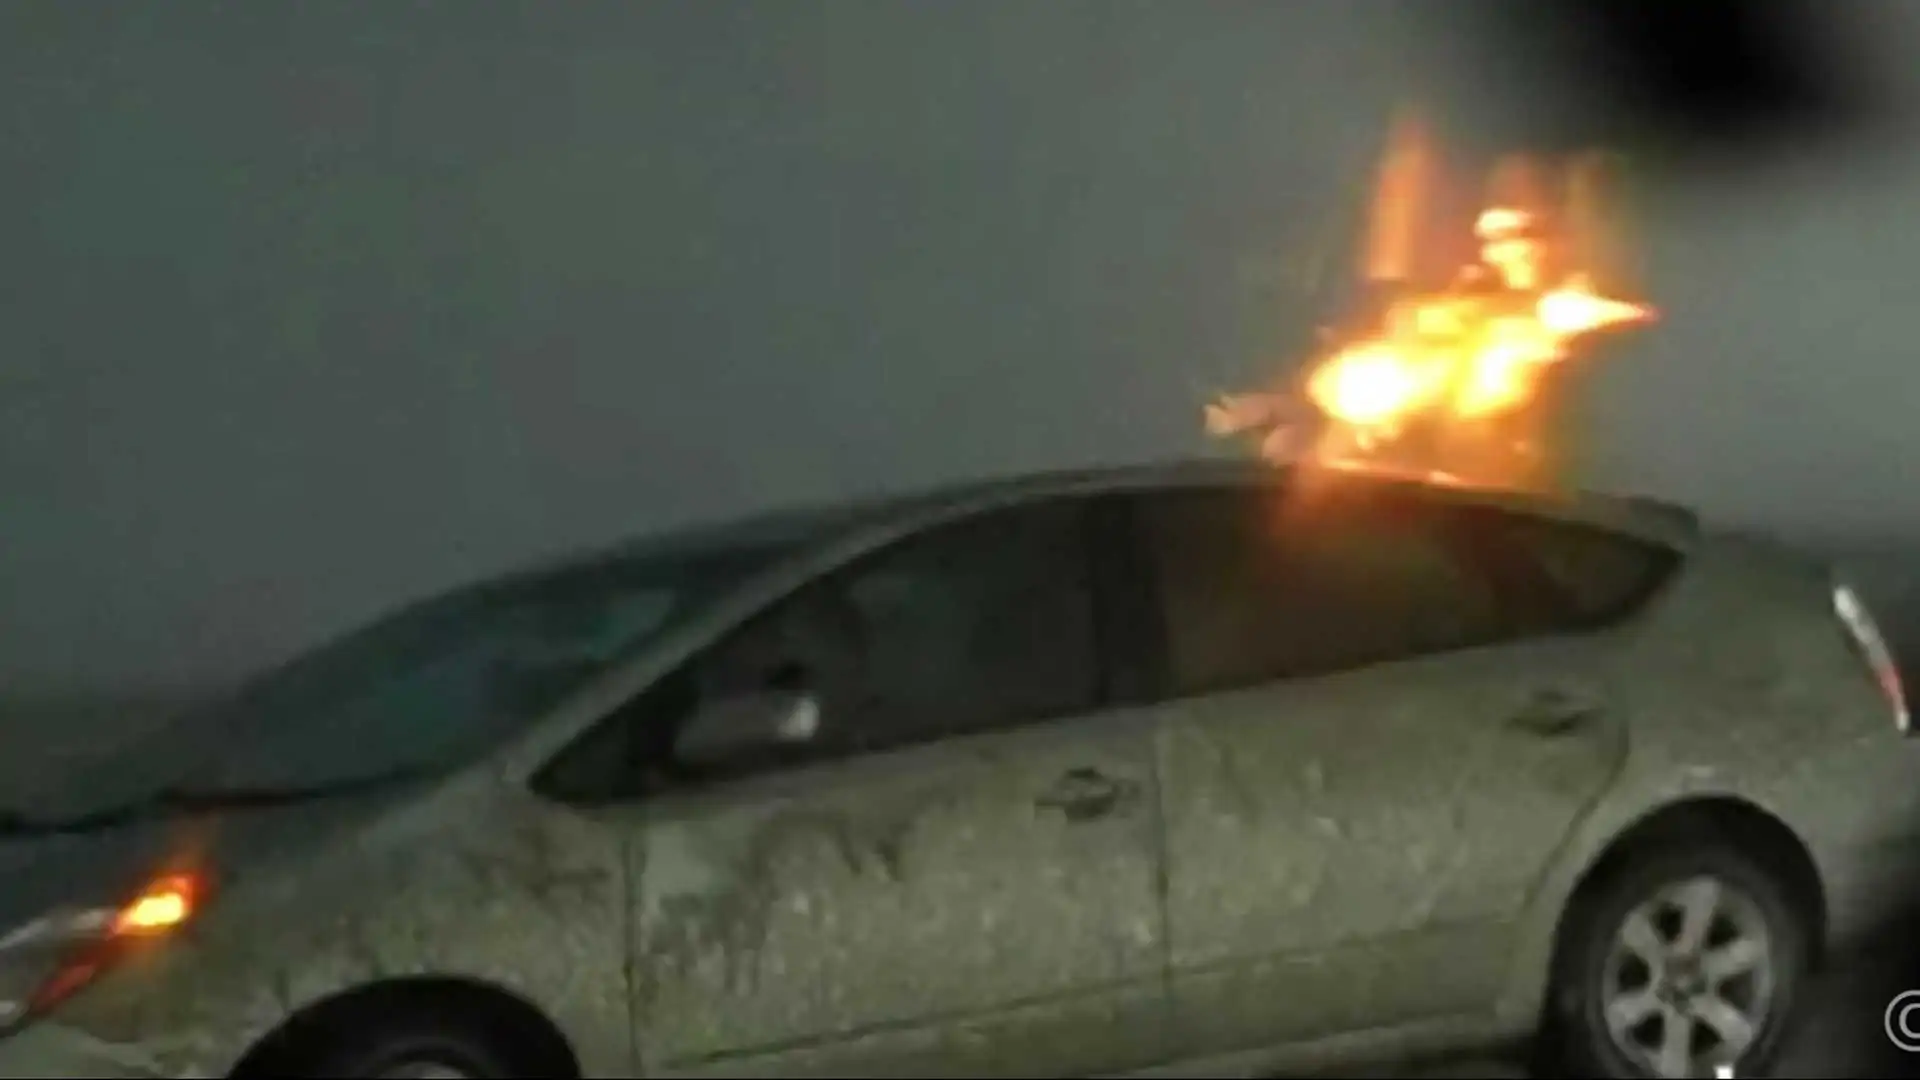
429,688
440,682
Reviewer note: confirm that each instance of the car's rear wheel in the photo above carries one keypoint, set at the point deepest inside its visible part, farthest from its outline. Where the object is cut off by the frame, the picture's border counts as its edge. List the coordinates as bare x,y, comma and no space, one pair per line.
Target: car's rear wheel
1680,960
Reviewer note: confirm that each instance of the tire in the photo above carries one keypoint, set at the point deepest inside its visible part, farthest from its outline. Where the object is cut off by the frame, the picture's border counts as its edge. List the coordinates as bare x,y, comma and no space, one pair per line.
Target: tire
1602,960
427,1044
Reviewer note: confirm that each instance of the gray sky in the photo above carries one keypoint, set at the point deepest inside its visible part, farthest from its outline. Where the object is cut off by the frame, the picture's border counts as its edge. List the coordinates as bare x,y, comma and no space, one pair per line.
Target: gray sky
305,311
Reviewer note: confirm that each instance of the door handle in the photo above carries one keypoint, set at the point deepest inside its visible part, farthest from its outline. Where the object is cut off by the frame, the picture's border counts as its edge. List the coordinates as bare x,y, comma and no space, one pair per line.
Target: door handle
1085,794
1553,712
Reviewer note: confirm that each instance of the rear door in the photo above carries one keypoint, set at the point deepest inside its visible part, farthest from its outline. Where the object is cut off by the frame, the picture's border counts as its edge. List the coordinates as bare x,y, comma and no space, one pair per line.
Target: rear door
1374,739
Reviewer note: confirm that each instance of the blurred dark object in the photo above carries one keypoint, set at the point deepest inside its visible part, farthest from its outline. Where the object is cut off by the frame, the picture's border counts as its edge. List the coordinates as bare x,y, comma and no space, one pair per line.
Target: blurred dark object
1701,78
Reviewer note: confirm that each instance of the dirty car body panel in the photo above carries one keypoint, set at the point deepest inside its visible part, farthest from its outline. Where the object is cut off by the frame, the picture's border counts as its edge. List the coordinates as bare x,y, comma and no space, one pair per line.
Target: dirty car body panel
916,915
1113,772
969,876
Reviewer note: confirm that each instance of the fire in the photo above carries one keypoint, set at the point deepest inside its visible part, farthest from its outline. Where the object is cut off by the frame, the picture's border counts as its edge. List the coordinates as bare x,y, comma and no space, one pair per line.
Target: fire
1447,364
1476,349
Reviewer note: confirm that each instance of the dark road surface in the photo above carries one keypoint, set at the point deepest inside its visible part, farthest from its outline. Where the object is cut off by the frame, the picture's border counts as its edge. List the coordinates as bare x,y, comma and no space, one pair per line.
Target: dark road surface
1842,1035
1839,1036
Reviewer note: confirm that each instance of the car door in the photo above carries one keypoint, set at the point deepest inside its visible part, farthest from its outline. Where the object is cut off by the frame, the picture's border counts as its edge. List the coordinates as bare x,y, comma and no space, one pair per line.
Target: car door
957,875
1367,760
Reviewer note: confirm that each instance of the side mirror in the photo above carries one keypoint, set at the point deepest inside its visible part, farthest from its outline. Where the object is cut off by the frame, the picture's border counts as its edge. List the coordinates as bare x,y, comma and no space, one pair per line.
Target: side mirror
748,724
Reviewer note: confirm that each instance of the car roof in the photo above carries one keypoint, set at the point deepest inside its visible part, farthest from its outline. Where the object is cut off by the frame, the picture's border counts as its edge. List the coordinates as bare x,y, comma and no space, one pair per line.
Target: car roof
1637,516
803,527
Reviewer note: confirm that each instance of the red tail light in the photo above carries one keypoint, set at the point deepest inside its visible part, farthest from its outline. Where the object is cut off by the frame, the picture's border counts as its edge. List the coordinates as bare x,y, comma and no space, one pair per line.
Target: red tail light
1865,634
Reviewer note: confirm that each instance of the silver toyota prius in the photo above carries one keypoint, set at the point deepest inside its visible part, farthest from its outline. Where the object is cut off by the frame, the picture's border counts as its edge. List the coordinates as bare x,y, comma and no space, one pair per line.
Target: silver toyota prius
1201,768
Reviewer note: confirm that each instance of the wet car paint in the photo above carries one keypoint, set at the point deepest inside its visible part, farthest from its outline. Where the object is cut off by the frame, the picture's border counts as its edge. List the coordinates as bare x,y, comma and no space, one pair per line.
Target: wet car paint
875,916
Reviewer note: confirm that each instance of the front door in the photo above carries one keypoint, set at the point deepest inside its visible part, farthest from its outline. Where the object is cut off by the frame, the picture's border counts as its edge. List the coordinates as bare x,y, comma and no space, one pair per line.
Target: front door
1367,763
958,878
984,908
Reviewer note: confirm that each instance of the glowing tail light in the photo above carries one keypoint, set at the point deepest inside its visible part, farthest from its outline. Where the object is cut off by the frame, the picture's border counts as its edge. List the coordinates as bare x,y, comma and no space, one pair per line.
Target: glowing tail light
1866,637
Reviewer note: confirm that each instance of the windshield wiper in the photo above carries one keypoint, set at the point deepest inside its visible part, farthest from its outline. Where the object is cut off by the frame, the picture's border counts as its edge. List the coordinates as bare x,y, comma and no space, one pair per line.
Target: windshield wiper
193,801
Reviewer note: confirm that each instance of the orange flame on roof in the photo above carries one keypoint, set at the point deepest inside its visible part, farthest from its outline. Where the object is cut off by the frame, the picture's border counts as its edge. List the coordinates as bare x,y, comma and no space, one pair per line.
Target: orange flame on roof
1456,357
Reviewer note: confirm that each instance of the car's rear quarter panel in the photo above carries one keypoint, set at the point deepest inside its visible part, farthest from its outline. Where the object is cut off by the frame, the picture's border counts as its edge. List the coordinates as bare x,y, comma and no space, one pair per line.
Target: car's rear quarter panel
1744,687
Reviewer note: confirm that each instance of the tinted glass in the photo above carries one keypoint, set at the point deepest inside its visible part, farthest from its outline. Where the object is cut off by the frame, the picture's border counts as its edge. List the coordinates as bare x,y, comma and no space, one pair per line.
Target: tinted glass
977,625
1256,586
1575,577
980,624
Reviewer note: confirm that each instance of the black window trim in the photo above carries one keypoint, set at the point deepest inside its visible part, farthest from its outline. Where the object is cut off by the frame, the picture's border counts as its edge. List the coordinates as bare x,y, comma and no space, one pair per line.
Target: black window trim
1132,601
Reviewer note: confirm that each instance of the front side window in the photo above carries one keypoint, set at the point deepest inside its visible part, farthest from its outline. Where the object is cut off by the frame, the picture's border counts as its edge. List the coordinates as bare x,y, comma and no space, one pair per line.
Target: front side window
1257,585
976,625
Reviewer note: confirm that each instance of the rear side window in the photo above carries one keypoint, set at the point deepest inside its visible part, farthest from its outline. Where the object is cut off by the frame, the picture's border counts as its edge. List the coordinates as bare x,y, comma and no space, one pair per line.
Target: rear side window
1258,585
1584,577
1255,586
